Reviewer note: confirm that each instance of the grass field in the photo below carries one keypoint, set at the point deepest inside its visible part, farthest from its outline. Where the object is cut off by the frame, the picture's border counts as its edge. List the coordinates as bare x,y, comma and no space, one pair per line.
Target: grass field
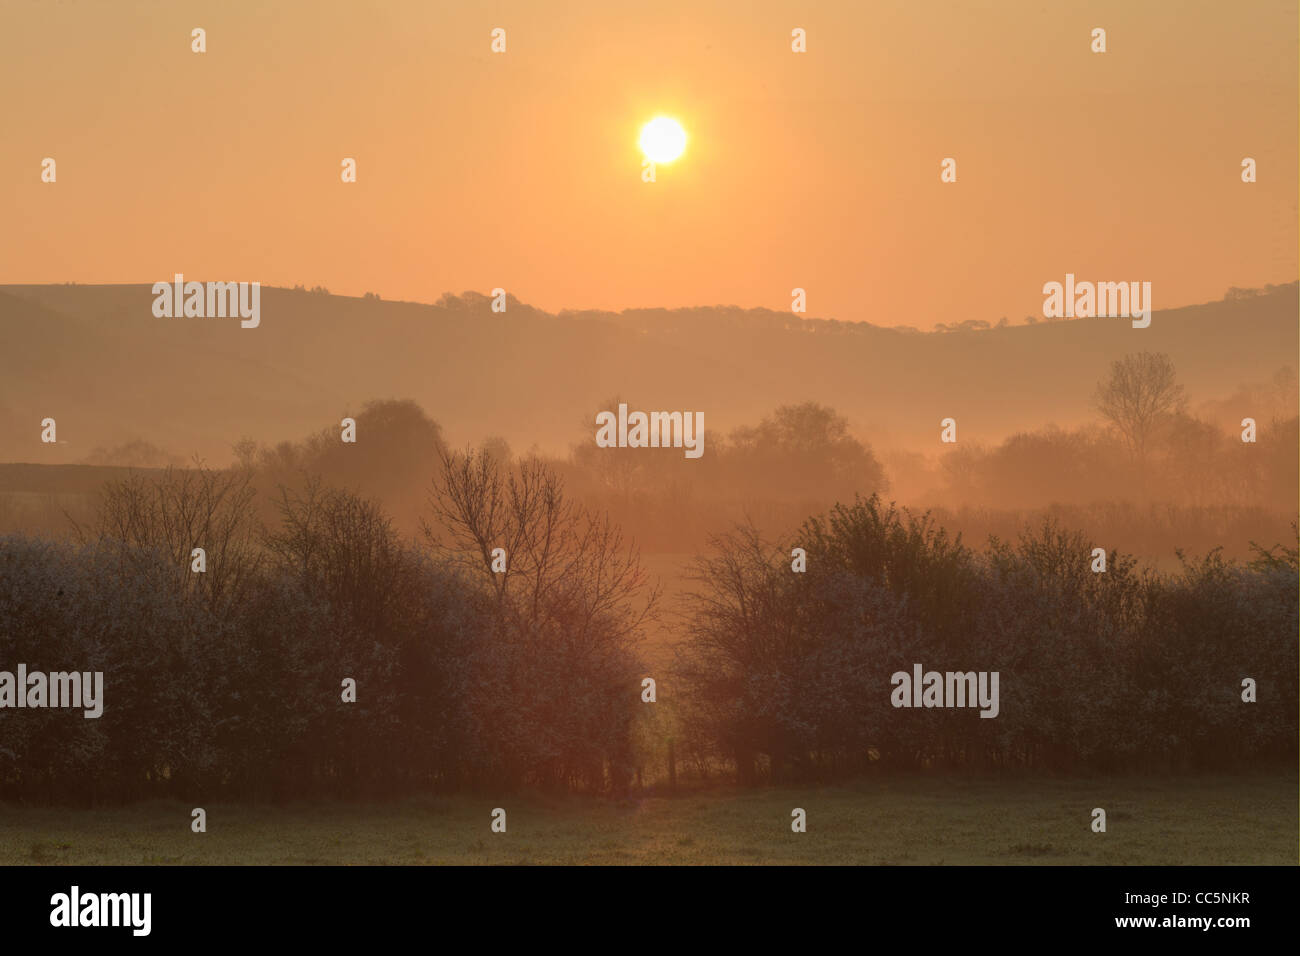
915,820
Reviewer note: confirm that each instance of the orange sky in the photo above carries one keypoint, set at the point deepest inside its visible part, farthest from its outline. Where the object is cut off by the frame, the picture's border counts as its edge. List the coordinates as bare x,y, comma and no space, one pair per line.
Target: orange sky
521,170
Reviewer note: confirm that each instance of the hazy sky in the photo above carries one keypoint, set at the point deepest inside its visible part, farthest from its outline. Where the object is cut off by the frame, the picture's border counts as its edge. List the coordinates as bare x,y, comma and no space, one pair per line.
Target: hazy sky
521,170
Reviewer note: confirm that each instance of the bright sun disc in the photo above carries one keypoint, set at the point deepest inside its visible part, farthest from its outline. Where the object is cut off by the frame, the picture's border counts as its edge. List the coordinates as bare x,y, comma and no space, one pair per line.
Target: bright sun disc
663,139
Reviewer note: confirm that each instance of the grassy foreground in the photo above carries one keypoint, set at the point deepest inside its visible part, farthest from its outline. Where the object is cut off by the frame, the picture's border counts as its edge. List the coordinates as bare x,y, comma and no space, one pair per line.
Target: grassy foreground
1217,819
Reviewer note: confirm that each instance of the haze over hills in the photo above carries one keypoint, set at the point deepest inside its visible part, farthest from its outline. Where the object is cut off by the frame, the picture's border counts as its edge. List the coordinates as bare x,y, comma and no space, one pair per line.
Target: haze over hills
96,359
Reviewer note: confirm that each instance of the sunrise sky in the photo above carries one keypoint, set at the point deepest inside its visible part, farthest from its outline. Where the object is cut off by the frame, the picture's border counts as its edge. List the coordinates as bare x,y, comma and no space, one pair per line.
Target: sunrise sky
522,170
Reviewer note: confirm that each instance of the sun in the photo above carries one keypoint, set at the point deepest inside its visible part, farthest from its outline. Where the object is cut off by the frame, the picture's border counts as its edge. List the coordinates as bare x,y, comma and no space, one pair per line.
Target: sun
663,139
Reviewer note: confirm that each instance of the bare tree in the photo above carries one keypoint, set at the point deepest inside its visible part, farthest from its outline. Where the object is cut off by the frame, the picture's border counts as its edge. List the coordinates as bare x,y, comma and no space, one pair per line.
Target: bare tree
1140,392
559,671
563,563
176,511
343,543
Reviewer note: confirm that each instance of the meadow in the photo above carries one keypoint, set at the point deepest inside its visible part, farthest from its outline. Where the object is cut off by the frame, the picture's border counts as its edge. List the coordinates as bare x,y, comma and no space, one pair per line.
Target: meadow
917,819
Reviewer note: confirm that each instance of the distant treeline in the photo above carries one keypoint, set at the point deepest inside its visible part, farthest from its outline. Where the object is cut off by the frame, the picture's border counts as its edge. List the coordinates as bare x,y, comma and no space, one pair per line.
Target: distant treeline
229,683
1194,486
1147,477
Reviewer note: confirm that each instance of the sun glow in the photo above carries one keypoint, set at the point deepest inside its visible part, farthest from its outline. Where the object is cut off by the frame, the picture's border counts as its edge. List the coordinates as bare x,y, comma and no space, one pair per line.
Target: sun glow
663,139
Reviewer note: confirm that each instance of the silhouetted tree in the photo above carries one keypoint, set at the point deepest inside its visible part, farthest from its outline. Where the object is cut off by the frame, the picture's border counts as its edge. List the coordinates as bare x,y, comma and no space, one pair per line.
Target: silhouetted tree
1141,390
559,680
805,450
170,513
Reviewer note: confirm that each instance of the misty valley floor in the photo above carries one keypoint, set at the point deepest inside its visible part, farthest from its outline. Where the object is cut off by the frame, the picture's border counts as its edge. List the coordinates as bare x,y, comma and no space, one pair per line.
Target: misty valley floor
1217,819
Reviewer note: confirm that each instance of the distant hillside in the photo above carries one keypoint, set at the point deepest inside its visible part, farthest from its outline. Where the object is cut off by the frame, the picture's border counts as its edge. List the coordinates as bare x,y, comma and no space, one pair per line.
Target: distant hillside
96,359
